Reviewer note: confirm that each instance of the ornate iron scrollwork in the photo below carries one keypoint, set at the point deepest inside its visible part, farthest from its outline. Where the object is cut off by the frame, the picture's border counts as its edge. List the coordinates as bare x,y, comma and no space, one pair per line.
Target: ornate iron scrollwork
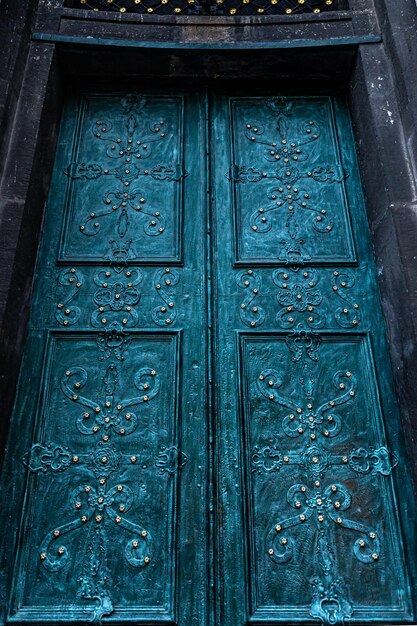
106,500
319,501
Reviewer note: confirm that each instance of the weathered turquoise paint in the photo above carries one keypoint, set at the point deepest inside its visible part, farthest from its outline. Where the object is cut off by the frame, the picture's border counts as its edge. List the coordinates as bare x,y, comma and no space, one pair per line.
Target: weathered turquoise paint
113,525
206,378
309,529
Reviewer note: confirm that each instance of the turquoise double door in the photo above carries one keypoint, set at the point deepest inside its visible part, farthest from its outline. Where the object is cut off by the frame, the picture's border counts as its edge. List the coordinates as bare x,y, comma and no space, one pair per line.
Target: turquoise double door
205,430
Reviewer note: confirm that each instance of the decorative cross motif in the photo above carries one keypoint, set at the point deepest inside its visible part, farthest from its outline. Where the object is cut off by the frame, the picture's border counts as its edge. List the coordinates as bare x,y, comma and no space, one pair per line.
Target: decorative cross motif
97,505
133,146
288,151
317,501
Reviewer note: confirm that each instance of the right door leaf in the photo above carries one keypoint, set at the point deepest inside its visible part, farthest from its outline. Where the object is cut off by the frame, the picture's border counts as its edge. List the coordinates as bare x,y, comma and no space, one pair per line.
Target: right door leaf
306,434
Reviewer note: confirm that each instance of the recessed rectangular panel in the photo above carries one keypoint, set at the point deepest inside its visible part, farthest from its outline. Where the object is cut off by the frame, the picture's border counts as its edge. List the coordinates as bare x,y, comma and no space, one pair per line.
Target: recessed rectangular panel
322,532
124,180
99,525
290,204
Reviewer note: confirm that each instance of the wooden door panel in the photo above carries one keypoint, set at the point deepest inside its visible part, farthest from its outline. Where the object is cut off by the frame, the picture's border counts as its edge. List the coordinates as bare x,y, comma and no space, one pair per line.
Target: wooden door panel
124,194
288,182
101,495
317,467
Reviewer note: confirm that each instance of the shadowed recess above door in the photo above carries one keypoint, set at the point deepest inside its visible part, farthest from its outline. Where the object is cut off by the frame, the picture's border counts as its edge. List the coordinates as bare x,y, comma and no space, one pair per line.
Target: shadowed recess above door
212,7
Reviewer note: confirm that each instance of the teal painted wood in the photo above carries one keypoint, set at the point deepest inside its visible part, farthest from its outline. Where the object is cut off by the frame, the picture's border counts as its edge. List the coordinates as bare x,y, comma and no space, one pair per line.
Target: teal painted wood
160,349
113,384
309,527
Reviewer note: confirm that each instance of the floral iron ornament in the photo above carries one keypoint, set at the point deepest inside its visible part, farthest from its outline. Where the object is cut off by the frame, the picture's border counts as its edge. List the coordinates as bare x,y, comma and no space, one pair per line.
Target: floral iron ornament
97,505
318,501
303,297
128,150
288,154
117,298
109,414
